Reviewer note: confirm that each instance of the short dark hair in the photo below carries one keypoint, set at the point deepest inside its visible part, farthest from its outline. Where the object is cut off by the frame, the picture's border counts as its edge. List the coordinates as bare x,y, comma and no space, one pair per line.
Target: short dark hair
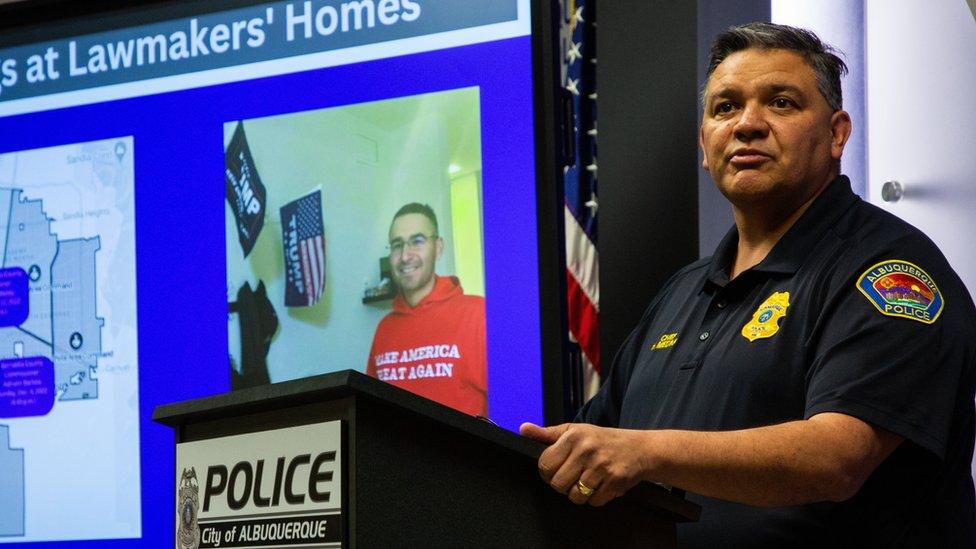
823,58
417,208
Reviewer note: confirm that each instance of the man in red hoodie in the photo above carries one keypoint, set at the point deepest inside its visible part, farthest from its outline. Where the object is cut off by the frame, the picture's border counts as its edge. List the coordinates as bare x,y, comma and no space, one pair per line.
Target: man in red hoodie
433,342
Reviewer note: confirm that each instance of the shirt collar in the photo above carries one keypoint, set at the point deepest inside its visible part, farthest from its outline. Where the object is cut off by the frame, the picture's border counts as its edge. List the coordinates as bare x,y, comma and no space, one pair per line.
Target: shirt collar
718,269
794,246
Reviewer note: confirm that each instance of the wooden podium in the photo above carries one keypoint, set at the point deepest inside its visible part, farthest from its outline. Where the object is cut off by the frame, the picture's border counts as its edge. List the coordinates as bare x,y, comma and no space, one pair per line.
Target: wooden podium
412,473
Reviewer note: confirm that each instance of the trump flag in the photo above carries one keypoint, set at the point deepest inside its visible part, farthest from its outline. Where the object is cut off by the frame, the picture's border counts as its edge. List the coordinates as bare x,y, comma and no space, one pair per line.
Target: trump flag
304,247
245,192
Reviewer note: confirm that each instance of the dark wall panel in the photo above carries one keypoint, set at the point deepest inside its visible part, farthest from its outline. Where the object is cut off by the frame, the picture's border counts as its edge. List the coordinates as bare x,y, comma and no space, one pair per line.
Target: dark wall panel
648,160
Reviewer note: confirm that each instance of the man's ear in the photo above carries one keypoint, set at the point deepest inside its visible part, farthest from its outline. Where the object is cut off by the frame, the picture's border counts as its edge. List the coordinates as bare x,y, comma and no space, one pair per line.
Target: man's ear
439,247
701,145
840,132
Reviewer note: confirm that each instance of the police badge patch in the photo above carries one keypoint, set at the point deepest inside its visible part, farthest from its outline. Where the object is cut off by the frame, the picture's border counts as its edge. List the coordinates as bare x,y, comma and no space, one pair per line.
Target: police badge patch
765,321
188,502
899,288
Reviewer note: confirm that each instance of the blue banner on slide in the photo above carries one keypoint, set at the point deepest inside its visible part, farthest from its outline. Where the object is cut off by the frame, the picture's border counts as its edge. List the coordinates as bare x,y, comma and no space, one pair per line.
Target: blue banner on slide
230,38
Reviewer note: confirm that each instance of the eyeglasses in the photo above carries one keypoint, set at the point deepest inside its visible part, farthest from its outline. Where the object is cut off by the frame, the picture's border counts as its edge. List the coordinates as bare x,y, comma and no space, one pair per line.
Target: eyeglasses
414,243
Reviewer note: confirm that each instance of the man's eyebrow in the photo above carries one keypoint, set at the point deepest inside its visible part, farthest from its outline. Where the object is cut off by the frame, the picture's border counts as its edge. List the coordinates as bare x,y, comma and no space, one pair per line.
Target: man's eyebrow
401,239
780,88
723,92
775,87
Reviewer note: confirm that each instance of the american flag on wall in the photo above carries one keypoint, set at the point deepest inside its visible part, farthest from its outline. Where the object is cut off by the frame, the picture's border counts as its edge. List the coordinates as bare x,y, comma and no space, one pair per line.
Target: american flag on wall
578,38
304,247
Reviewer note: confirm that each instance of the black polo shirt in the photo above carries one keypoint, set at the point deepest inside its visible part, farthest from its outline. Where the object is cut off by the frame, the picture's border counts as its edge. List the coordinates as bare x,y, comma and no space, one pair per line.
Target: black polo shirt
853,311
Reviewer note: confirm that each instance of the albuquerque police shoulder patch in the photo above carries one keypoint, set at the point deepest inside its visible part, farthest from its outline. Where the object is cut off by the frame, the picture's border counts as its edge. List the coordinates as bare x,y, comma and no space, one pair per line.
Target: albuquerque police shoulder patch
899,288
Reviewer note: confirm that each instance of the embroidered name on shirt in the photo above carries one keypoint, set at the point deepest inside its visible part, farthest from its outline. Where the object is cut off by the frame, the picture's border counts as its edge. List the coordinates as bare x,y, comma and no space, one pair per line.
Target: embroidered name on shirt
902,289
765,321
667,340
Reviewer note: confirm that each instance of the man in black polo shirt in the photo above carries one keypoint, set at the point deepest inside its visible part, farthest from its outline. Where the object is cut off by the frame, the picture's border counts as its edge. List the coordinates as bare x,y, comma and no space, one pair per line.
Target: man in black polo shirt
812,382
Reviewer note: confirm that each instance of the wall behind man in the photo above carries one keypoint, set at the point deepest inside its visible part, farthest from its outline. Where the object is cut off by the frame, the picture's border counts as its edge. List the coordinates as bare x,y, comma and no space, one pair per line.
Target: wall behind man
648,190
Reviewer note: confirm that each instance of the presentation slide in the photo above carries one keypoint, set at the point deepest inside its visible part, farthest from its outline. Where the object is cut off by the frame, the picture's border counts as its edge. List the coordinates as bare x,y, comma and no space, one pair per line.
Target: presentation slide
193,202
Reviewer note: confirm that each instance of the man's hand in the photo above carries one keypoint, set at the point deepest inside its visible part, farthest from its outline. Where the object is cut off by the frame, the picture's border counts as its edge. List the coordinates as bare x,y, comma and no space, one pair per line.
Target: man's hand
825,458
607,460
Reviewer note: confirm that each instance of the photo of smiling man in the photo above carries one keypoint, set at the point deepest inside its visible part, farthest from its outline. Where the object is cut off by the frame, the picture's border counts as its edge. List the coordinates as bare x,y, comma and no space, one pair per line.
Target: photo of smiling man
433,341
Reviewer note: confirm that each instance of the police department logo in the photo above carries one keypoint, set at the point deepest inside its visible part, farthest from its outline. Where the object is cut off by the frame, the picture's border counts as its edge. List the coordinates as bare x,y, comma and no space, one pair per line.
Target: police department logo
765,321
903,289
188,498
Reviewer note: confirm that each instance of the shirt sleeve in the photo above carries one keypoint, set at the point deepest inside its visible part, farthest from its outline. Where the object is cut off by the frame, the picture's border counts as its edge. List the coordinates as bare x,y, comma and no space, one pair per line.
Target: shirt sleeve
900,372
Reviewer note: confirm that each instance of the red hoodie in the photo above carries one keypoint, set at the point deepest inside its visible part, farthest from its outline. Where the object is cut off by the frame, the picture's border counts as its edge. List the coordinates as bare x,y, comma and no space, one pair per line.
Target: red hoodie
436,349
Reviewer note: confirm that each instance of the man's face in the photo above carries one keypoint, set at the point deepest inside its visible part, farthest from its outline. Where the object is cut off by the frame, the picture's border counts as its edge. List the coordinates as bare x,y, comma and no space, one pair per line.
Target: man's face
767,132
412,261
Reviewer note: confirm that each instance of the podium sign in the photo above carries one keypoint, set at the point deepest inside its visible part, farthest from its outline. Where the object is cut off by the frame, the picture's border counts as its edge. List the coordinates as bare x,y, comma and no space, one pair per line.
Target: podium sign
277,488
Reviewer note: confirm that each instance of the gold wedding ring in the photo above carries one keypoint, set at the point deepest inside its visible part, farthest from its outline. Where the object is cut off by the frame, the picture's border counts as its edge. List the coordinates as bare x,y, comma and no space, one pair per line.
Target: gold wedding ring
584,489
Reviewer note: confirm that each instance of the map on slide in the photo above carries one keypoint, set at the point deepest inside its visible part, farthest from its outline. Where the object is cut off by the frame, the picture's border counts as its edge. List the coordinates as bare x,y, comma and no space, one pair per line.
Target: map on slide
62,324
68,375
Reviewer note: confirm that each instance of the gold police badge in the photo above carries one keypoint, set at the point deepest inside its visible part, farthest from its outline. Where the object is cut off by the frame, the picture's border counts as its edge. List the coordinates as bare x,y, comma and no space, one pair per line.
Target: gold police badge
765,321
